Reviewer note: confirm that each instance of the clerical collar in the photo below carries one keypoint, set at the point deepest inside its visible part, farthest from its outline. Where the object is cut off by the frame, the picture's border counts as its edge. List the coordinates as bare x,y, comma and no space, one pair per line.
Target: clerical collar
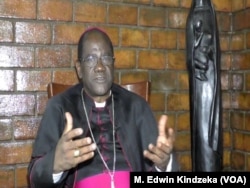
100,104
90,102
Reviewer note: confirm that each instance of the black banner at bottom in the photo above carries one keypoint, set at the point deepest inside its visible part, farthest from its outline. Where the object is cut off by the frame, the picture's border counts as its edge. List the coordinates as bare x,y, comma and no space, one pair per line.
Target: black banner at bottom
183,179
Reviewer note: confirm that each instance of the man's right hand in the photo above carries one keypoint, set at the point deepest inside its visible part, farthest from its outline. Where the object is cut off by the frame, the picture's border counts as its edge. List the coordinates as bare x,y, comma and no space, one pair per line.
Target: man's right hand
70,152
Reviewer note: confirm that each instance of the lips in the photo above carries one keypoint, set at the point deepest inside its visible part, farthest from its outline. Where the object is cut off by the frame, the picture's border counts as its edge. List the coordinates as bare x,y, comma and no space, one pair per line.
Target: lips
100,79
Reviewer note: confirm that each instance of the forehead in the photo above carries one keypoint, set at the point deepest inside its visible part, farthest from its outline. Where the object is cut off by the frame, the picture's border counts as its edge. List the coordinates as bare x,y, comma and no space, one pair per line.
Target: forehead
95,37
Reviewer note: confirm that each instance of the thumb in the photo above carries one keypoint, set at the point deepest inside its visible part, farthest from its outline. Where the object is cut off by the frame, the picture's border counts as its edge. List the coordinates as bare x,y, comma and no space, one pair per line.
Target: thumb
161,125
69,123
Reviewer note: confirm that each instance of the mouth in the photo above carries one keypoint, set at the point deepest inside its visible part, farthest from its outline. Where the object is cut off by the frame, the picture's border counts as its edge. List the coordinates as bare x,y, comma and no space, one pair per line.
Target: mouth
100,79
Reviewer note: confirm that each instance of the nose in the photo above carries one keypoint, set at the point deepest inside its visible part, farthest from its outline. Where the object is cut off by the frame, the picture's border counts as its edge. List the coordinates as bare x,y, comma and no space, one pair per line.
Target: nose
99,66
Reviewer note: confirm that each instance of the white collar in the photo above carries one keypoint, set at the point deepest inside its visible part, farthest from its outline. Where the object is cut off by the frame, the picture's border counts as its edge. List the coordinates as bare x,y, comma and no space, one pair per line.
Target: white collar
100,104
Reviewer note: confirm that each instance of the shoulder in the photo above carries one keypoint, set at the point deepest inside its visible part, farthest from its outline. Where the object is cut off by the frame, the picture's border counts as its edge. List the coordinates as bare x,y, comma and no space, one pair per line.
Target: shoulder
70,95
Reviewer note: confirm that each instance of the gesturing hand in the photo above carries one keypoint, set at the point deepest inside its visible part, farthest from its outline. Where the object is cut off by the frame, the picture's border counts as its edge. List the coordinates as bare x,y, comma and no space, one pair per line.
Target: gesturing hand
160,153
70,152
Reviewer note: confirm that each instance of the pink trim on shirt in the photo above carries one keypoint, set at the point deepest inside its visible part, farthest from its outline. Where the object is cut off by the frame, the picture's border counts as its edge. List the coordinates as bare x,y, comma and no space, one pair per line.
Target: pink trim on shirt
121,178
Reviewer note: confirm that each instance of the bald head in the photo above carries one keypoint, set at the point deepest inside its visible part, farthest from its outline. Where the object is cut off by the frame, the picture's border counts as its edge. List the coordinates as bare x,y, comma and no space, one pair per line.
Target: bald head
93,33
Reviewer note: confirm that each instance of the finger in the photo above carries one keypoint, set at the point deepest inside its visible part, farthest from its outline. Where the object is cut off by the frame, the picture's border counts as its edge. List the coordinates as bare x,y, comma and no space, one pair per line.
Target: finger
68,131
78,143
151,156
171,134
87,149
161,125
85,157
69,123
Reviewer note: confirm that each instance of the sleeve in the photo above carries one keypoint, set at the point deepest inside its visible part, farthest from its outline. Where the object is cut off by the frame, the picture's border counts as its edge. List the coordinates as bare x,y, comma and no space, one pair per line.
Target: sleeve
40,168
169,166
151,129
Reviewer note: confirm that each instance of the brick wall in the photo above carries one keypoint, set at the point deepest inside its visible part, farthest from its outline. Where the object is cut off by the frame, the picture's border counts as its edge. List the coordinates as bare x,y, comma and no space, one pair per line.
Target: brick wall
38,41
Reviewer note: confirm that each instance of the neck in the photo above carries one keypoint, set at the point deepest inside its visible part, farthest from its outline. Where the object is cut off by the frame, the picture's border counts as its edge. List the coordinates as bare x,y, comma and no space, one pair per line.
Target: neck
99,98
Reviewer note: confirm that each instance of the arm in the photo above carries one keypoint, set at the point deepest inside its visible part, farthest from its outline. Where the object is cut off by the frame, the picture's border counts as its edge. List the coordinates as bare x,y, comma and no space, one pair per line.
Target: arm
54,148
161,152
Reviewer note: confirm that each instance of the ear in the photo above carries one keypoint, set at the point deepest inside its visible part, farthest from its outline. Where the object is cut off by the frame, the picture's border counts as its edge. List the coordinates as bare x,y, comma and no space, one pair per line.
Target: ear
78,70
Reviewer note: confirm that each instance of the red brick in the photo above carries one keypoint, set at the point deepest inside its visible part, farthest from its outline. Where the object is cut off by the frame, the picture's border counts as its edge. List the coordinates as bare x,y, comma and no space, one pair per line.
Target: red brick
247,40
168,3
241,20
164,80
138,1
7,178
237,82
21,104
226,102
238,161
183,83
177,19
237,42
116,15
226,159
6,129
157,101
90,12
185,162
15,152
225,61
177,102
185,3
151,60
225,82
227,139
12,56
152,17
41,103
32,80
21,176
33,33
6,80
125,59
237,5
225,42
163,39
59,76
134,38
67,33
18,9
176,60
53,56
183,121
134,76
224,21
181,40
237,120
241,141
25,129
240,61
222,5
6,32
182,141
55,10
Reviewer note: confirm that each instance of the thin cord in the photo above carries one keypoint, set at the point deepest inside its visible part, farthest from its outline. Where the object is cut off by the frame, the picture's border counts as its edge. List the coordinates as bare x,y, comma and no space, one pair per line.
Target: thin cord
91,133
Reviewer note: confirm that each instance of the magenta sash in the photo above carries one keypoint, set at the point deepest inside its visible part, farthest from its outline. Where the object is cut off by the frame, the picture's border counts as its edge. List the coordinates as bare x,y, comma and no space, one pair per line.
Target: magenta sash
121,180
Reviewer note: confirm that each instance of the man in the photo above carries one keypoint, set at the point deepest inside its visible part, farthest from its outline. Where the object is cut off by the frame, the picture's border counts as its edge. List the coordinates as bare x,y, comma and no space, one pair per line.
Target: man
96,132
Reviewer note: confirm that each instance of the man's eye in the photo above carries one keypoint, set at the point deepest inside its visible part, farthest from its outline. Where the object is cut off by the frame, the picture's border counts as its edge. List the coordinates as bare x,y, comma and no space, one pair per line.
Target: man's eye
90,59
107,59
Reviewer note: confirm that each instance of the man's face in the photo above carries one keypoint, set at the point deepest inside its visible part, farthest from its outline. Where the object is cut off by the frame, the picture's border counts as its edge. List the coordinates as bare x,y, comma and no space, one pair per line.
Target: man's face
97,77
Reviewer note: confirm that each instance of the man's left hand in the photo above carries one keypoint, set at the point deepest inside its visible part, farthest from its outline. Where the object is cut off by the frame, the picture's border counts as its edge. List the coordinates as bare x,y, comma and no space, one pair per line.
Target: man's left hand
160,153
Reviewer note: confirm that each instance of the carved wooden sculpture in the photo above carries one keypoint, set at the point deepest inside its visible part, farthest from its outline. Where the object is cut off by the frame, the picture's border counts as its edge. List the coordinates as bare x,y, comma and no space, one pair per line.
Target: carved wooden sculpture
203,62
